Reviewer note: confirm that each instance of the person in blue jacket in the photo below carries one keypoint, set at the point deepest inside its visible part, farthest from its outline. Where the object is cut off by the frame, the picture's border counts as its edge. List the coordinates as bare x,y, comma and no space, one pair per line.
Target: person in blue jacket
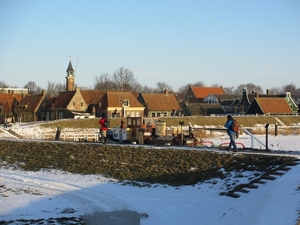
231,133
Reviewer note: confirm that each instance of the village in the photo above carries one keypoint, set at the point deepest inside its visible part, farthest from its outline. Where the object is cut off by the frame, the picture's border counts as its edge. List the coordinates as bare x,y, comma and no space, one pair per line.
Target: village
16,105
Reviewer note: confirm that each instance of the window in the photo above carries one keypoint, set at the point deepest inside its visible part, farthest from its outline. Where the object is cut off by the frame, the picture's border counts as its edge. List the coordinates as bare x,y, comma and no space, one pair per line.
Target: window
126,102
165,114
60,115
73,103
153,114
144,121
158,114
81,104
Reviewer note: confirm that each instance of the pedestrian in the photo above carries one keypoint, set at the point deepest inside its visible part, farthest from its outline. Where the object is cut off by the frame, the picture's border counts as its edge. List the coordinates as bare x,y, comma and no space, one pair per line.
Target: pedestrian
231,133
103,129
5,122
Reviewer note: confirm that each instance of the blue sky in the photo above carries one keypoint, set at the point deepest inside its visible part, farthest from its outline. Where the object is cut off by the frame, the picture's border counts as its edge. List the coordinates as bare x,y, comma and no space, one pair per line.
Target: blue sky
177,42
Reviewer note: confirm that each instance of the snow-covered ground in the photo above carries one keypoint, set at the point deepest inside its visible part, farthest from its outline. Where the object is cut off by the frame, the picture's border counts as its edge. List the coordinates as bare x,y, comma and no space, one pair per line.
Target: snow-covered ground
54,194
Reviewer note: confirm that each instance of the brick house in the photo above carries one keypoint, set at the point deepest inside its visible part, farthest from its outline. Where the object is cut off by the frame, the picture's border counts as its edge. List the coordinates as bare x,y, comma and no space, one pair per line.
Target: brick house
31,107
159,105
272,106
196,94
8,103
70,104
120,104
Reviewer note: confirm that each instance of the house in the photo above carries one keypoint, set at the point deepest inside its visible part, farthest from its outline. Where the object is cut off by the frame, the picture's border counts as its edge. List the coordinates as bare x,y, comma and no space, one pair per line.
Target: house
8,104
272,106
74,102
202,109
229,102
120,104
159,104
10,90
31,107
200,101
70,104
247,99
92,99
196,94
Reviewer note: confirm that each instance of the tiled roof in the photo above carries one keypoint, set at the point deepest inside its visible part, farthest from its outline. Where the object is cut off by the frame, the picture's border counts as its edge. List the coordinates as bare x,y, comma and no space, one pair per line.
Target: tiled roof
63,99
92,96
274,105
160,101
113,99
7,99
32,102
202,92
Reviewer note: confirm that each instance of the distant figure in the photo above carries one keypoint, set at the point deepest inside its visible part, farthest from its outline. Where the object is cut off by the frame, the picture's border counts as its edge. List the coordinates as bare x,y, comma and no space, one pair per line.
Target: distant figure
231,133
103,129
5,122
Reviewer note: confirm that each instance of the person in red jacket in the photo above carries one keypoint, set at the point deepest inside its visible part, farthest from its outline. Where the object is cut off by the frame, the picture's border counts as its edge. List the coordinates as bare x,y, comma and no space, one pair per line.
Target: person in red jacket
103,128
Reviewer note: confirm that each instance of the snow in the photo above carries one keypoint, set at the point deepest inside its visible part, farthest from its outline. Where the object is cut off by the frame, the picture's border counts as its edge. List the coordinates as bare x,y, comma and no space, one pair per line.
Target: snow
48,194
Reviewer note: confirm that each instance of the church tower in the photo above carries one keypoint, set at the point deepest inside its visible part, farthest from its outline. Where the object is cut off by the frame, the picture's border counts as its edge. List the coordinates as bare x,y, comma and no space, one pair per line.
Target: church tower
70,78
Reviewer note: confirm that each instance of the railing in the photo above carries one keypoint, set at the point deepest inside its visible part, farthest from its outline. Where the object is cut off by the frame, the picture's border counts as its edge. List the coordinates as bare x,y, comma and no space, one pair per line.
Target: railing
255,138
75,137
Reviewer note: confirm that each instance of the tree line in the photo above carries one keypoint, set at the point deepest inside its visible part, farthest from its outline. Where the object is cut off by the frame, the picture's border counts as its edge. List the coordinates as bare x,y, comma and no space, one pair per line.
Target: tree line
124,80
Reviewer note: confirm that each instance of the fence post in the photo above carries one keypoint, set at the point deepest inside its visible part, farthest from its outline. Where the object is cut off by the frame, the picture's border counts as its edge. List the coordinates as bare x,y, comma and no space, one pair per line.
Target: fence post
57,134
267,126
181,124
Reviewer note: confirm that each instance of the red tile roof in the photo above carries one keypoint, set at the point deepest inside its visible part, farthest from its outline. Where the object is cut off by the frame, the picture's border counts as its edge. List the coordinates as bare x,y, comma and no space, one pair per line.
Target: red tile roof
92,96
7,99
164,102
274,105
113,99
203,92
32,102
63,99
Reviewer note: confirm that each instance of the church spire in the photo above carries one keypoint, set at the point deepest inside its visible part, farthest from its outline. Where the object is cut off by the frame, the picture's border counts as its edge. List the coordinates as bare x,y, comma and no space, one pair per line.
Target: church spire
70,68
70,78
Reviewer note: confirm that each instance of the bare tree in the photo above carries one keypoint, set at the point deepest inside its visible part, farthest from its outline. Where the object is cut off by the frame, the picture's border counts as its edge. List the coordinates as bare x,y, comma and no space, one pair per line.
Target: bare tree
3,85
104,82
275,90
250,88
161,87
53,89
290,88
124,79
228,90
199,84
295,92
143,89
33,89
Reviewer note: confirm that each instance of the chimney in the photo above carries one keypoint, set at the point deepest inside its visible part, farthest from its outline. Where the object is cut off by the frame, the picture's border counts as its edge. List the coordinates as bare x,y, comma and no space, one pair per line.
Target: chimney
267,91
256,95
43,92
166,91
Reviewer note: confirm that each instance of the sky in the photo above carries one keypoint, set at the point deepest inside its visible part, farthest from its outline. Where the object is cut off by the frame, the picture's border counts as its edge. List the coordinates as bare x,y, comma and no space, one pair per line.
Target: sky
48,194
228,43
